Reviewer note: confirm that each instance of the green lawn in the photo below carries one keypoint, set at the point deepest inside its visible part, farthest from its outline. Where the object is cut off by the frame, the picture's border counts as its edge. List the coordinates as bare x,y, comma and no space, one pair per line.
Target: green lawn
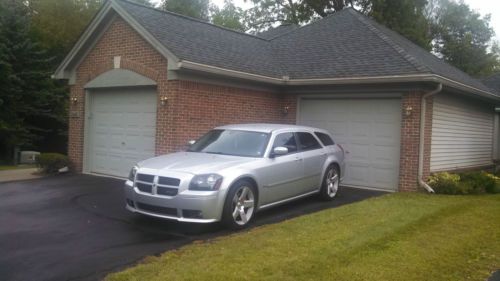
394,237
12,167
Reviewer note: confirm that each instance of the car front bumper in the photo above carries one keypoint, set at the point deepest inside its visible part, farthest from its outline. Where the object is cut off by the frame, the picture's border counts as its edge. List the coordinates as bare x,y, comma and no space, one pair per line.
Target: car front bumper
187,206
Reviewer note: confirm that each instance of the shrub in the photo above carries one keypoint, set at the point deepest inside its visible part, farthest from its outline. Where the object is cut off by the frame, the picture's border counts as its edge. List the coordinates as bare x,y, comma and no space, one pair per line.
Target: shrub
50,163
465,183
446,183
478,182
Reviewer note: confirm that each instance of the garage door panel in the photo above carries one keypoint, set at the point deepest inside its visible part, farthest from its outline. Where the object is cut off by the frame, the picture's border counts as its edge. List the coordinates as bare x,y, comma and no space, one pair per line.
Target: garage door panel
368,129
122,130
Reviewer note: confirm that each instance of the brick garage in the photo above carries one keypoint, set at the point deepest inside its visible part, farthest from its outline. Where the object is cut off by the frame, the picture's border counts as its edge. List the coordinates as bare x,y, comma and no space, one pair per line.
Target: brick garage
203,76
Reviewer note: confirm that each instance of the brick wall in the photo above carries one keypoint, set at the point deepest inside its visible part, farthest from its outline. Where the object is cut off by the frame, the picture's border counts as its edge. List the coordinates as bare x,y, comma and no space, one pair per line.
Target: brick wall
200,107
410,138
192,108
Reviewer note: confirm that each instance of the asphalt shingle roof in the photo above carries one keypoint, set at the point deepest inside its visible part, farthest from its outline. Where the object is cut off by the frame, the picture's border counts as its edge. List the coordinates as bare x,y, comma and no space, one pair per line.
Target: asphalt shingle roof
493,82
345,44
277,31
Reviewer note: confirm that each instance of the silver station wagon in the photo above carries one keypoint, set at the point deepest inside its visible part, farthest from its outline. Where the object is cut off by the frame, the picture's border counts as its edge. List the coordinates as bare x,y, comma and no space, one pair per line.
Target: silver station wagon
233,171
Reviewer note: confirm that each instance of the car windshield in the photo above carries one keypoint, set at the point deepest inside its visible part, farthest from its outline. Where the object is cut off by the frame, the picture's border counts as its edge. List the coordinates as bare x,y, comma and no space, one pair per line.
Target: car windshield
232,142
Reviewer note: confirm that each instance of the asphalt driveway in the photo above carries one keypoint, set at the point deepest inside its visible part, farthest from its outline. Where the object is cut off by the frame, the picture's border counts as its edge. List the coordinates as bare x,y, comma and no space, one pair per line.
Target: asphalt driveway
75,227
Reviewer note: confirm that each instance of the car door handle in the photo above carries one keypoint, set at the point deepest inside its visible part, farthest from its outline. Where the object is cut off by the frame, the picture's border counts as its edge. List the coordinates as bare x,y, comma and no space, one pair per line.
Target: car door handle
298,159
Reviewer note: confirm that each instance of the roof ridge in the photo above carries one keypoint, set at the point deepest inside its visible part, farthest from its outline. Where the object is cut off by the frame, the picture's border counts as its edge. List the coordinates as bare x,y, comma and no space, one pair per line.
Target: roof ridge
191,19
411,59
312,23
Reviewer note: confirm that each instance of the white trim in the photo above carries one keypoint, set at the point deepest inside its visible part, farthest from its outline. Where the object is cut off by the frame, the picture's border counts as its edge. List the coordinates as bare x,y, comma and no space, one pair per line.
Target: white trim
60,71
63,73
86,129
336,81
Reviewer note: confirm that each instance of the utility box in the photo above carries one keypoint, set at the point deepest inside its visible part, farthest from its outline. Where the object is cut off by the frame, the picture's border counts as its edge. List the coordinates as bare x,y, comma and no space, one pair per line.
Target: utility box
28,157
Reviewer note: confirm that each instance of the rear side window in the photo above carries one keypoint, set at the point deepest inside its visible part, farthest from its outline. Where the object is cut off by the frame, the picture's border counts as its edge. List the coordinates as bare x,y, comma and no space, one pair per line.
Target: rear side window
324,138
287,140
308,141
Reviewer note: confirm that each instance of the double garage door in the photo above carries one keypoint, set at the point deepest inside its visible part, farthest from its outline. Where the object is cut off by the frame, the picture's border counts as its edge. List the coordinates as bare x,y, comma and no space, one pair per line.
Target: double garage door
121,129
368,129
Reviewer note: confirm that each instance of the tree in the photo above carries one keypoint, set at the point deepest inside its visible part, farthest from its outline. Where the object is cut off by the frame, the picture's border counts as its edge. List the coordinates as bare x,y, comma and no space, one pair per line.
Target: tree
403,16
229,16
267,13
57,24
31,102
463,38
192,8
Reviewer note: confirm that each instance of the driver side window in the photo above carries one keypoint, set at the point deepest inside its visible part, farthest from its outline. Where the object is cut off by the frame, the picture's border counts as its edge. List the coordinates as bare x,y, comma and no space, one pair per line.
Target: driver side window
286,140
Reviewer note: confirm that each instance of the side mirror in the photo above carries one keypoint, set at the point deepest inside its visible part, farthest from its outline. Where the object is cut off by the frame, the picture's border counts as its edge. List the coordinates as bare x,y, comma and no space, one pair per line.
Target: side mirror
280,150
191,142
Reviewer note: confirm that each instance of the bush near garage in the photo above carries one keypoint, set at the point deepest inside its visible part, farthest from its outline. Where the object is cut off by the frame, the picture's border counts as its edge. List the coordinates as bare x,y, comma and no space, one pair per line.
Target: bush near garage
465,183
50,163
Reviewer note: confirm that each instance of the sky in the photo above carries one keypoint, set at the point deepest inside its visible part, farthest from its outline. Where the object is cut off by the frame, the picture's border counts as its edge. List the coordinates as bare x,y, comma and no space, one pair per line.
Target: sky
482,6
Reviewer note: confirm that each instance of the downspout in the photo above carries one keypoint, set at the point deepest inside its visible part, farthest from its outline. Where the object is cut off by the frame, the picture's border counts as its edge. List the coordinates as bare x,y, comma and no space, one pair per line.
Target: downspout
421,182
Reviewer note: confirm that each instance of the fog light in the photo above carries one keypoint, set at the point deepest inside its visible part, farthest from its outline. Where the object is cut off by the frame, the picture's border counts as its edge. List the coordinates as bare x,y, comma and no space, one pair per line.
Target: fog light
192,214
130,203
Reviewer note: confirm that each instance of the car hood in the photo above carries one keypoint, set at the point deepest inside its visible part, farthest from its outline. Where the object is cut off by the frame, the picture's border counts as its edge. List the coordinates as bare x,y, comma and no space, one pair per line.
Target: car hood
193,162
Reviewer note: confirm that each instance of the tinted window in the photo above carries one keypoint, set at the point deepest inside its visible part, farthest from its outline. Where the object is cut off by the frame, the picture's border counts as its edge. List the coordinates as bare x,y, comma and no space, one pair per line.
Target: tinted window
232,142
286,140
307,141
324,138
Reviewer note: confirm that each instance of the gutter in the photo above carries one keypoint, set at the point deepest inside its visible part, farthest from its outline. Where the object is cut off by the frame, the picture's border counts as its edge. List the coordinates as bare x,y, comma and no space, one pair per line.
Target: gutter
286,81
421,146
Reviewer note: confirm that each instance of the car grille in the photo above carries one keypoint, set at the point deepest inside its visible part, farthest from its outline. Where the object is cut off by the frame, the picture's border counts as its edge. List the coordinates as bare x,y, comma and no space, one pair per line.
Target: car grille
165,185
157,209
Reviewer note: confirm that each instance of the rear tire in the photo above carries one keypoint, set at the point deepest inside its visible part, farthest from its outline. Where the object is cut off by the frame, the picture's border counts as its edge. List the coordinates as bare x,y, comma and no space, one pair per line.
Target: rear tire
240,205
331,181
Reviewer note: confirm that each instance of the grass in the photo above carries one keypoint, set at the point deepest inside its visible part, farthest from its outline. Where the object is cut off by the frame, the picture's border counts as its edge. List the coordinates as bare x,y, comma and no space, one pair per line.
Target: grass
393,237
13,167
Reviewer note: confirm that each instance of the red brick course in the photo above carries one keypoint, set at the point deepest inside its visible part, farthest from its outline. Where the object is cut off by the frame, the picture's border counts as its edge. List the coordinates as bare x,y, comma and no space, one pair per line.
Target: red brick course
410,138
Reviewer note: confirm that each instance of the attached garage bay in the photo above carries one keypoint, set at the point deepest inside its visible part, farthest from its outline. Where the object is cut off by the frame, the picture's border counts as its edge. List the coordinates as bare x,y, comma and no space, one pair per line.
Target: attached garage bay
121,129
368,129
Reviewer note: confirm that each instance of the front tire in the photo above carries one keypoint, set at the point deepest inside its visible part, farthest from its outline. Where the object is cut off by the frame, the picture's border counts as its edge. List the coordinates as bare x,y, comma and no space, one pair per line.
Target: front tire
331,182
240,205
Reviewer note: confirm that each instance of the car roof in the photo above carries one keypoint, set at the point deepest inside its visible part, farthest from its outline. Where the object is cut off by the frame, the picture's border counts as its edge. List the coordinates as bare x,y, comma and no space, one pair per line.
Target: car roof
268,128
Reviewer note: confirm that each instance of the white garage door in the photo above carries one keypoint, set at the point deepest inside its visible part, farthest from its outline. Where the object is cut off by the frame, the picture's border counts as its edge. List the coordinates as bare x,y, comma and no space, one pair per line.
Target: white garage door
368,129
122,129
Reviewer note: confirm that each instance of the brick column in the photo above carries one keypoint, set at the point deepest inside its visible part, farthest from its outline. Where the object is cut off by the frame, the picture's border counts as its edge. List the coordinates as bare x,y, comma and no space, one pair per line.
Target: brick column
410,138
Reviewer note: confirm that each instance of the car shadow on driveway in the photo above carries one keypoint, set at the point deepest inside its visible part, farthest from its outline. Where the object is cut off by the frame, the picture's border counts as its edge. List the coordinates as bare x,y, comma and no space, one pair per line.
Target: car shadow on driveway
75,227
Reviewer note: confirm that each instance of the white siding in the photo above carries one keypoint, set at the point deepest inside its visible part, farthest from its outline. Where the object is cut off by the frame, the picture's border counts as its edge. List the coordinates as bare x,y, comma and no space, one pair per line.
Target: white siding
462,133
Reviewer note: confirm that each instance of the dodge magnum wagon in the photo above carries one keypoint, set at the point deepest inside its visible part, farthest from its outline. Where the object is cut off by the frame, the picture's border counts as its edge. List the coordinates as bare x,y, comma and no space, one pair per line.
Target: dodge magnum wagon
233,171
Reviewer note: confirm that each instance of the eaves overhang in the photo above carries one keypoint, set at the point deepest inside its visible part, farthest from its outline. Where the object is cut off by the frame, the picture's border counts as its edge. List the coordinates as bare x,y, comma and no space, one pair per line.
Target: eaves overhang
286,81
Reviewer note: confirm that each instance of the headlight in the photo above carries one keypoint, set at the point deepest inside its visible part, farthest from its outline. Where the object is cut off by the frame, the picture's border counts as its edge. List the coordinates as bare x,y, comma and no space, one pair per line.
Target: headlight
207,182
133,171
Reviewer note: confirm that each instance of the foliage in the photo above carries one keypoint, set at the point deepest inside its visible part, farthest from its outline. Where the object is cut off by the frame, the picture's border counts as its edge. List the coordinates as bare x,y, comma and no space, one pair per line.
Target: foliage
403,16
229,16
399,236
33,106
192,8
267,13
446,183
465,183
463,38
57,24
50,163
